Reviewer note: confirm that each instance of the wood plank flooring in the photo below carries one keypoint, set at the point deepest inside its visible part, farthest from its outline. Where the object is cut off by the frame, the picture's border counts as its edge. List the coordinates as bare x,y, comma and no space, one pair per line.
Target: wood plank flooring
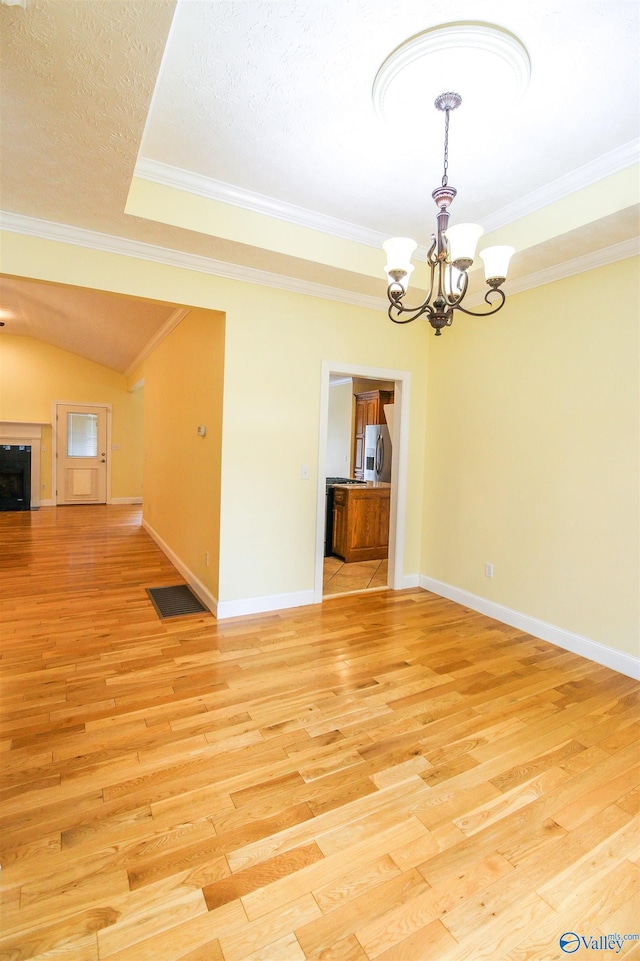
384,776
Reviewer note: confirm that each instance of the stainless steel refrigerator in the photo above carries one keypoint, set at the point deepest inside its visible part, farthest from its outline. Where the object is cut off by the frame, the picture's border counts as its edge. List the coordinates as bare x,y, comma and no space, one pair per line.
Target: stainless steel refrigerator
377,453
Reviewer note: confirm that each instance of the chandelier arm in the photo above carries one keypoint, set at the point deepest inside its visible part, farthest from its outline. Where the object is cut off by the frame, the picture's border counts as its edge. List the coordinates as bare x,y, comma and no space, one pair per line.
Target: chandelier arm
486,313
454,299
414,311
395,293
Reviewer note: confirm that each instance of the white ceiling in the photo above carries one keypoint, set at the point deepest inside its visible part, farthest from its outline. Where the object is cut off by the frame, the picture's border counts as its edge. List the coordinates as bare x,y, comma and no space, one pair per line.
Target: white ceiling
276,98
269,104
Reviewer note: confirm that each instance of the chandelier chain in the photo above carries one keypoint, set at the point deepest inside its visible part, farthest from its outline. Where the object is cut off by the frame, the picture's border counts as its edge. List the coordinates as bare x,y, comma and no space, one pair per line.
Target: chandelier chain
445,172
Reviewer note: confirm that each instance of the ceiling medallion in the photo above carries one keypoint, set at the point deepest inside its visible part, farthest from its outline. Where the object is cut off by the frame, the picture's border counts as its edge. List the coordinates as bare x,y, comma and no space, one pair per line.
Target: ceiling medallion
480,60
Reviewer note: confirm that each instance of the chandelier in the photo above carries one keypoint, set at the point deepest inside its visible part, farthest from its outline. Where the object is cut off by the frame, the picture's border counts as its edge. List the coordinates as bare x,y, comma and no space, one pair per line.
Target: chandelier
449,258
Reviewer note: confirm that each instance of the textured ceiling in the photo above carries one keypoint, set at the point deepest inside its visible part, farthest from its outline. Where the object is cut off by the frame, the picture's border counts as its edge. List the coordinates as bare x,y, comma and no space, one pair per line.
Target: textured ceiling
93,323
77,80
274,99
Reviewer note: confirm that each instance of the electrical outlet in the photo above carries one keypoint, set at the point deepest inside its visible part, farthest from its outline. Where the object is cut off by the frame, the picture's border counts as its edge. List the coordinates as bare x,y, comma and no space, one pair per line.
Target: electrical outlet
488,569
304,473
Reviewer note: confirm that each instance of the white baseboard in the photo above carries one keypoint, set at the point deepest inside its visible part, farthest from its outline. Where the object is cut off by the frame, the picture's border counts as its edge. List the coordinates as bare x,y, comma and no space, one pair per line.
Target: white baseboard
260,605
194,583
406,581
49,502
225,609
592,650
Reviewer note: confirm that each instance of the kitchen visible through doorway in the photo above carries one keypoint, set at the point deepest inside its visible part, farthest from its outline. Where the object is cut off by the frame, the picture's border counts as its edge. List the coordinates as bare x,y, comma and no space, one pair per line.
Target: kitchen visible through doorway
341,578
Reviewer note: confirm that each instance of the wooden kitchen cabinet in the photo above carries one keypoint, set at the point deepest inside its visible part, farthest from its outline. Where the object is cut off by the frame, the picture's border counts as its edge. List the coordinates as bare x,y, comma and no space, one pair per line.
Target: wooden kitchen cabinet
361,523
369,410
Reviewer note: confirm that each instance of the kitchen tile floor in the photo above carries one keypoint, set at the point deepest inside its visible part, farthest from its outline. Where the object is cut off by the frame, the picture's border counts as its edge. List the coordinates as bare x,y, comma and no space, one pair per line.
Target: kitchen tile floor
341,578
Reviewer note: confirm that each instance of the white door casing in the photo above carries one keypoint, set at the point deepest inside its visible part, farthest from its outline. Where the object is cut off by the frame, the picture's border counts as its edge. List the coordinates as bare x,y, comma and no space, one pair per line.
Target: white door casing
82,434
399,466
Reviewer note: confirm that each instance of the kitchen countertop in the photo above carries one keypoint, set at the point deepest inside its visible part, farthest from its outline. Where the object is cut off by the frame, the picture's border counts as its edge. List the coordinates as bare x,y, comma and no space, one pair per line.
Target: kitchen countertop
369,484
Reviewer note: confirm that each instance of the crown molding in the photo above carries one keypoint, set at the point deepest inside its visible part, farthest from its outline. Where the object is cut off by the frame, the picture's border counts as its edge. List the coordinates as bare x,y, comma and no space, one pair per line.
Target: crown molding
63,233
178,314
339,381
605,166
206,187
579,265
568,268
168,176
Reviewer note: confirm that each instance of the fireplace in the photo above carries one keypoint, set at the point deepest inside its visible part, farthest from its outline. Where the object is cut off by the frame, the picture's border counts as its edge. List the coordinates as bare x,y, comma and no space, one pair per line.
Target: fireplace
15,477
28,437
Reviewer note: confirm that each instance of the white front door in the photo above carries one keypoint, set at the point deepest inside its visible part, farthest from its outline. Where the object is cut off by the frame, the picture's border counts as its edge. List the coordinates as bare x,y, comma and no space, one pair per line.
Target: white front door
81,471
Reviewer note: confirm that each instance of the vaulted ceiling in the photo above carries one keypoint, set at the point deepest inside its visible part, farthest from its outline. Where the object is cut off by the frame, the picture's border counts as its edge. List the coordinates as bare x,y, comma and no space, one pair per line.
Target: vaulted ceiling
241,137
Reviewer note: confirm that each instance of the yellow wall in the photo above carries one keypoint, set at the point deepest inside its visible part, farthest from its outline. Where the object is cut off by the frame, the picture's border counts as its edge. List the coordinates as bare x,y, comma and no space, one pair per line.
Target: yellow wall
339,431
33,375
275,345
524,451
533,456
183,385
192,211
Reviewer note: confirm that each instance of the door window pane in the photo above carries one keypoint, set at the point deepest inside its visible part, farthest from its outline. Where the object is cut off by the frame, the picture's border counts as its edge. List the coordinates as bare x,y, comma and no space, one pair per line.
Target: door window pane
82,435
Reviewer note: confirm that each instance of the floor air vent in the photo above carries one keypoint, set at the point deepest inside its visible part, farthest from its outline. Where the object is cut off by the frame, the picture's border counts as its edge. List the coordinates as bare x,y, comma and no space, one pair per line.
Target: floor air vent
175,601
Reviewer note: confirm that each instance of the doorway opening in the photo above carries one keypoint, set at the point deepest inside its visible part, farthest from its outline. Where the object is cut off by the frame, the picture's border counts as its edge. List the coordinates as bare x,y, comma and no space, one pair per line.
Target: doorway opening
345,570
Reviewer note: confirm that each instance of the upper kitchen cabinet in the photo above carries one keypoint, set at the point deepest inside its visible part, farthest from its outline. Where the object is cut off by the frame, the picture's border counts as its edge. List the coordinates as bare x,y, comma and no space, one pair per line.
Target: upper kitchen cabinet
369,410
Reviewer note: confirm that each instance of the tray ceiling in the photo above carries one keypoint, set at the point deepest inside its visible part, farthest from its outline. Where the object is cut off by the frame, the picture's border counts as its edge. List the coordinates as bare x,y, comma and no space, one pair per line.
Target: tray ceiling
267,106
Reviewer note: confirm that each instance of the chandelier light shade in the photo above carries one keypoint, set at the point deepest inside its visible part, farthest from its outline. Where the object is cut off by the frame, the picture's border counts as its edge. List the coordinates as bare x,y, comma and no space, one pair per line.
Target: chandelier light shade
496,263
452,253
463,240
399,251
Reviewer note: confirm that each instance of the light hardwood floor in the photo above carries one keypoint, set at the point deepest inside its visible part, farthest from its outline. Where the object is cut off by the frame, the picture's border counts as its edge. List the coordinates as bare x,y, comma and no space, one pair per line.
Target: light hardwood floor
383,776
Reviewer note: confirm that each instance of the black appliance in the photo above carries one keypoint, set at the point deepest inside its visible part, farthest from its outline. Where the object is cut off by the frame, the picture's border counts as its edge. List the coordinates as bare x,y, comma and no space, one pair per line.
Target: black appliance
328,523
